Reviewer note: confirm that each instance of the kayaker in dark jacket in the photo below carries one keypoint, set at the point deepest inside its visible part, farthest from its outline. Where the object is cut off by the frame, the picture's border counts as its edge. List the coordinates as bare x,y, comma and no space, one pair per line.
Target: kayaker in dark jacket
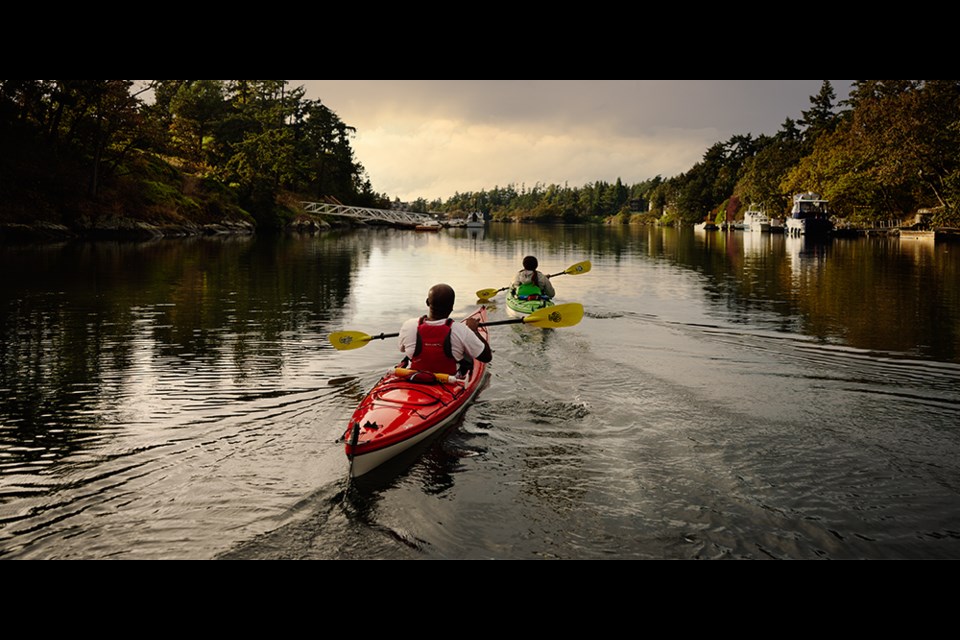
436,343
530,276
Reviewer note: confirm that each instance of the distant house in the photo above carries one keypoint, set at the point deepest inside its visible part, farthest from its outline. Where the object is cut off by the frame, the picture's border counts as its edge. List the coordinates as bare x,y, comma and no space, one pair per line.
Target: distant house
921,219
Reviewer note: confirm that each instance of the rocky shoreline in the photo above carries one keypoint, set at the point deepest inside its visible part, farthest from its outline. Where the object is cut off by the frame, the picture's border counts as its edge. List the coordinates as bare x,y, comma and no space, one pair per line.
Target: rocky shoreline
119,228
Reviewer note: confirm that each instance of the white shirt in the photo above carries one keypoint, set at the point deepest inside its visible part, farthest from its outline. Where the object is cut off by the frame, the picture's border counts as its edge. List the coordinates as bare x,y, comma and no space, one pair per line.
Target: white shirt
525,276
462,339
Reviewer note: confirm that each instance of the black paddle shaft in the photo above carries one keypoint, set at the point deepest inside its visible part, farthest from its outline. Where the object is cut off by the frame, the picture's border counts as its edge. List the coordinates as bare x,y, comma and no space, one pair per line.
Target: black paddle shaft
482,324
490,324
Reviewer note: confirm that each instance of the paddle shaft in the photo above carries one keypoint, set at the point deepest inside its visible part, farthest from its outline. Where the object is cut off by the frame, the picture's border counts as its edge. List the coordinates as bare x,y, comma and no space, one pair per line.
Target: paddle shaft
383,336
512,321
577,269
563,315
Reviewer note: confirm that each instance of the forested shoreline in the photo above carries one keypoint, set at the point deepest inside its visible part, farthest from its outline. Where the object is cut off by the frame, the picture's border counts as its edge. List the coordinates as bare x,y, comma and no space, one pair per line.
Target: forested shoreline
179,157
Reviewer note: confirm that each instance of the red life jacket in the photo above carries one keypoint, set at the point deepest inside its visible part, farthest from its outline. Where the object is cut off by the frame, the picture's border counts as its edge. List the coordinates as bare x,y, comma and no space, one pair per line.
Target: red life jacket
433,351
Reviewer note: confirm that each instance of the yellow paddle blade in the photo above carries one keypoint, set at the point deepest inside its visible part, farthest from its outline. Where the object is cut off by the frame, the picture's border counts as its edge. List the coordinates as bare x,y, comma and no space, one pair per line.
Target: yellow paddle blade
345,340
574,270
486,294
560,315
580,267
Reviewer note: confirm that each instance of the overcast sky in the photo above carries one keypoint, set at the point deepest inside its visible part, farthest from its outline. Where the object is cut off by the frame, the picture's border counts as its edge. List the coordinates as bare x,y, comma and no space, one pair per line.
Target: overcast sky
435,138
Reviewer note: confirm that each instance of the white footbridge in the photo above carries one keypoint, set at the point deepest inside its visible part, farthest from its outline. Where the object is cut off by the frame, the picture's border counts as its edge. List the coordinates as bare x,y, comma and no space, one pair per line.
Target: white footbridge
363,214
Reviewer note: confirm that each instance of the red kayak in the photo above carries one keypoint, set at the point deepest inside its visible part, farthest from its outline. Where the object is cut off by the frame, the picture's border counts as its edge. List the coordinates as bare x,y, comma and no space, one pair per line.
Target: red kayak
405,407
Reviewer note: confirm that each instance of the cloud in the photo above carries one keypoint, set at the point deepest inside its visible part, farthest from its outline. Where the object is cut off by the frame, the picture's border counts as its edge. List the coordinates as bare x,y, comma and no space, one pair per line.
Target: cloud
435,138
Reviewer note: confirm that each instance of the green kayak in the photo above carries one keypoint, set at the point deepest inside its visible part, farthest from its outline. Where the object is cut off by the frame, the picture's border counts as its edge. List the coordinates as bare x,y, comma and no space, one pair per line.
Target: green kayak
527,299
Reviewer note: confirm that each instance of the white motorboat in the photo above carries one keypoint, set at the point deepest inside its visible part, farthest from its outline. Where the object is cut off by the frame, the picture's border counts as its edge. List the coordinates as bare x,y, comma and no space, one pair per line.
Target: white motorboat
476,221
809,215
756,219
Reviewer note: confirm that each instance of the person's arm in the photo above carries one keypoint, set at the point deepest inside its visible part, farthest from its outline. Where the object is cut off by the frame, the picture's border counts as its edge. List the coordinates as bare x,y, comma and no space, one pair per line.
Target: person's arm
486,354
408,337
547,287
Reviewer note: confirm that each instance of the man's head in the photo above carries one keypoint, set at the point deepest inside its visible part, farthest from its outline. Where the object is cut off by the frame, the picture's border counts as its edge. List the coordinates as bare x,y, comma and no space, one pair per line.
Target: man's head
530,263
440,300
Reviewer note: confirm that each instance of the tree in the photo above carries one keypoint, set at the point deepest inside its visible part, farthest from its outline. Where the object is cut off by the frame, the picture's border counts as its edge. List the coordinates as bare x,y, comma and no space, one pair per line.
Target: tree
761,174
820,118
325,159
931,145
897,150
195,108
91,120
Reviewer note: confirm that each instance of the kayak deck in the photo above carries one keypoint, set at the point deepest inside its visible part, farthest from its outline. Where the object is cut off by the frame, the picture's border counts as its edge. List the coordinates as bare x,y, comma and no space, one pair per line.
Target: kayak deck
524,307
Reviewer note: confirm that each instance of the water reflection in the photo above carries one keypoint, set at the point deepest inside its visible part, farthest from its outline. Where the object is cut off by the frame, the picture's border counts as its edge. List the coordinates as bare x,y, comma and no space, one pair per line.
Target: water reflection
755,244
84,327
872,293
476,234
923,251
806,258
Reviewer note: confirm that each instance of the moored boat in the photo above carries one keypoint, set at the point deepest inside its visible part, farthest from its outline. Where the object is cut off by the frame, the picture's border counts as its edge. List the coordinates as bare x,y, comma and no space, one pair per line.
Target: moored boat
476,220
429,225
405,408
809,216
756,220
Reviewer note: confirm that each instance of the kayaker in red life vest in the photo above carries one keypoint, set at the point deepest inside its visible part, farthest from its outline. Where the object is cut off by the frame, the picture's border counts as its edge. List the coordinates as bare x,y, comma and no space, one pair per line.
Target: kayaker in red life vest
436,343
536,282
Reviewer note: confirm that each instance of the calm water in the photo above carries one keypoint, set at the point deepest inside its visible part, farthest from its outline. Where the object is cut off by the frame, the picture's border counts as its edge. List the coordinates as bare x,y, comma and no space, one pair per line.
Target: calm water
728,395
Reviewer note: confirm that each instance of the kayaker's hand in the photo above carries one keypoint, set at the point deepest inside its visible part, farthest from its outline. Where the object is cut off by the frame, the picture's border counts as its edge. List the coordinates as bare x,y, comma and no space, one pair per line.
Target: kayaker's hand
472,323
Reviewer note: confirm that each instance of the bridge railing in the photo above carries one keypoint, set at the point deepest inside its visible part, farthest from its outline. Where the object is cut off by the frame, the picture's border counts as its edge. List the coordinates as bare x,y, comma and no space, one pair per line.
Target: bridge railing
366,214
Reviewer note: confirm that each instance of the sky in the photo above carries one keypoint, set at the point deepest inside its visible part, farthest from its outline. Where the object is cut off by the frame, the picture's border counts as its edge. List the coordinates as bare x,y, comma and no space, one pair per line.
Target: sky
435,138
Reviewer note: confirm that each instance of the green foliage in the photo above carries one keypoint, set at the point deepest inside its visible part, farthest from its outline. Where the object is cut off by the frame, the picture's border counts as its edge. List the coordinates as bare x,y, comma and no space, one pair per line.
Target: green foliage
594,202
669,219
761,174
195,110
821,118
230,146
627,217
160,193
